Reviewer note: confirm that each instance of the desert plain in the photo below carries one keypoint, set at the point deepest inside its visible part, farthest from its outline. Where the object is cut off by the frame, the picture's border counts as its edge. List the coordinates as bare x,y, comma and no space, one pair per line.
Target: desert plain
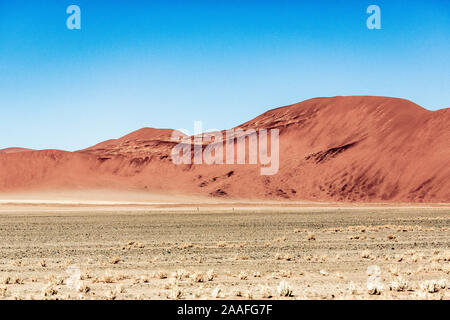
189,248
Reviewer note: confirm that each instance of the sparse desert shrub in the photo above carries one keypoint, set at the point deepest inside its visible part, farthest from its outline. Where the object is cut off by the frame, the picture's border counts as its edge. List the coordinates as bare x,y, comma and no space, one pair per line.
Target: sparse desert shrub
243,275
288,257
84,289
323,273
442,283
160,275
366,254
399,284
6,280
284,289
57,281
108,277
141,279
374,284
391,237
285,273
181,274
50,290
42,263
199,277
85,275
176,293
374,288
352,288
17,280
221,244
217,293
281,274
210,275
280,239
17,263
3,292
265,291
115,260
241,244
238,293
393,270
430,286
241,257
185,245
111,295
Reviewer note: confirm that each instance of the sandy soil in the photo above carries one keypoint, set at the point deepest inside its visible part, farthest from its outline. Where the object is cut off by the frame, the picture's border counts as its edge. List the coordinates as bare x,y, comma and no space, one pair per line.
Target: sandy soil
67,251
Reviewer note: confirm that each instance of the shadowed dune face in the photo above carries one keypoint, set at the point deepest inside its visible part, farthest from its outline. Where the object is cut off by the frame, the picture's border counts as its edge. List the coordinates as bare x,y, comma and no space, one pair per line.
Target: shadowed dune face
340,149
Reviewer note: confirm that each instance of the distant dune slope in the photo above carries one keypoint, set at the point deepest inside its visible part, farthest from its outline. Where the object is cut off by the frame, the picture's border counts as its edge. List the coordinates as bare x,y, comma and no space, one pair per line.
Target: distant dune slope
357,148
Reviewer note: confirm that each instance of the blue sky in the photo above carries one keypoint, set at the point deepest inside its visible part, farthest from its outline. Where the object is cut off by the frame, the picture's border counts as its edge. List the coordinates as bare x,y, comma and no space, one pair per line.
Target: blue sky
167,63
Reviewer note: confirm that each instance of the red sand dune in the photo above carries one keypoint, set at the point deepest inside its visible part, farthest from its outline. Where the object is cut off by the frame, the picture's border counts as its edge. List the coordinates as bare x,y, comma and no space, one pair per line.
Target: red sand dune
331,149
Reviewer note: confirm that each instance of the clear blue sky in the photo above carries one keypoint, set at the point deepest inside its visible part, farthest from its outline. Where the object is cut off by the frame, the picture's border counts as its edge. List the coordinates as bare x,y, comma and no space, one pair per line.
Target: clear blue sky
167,63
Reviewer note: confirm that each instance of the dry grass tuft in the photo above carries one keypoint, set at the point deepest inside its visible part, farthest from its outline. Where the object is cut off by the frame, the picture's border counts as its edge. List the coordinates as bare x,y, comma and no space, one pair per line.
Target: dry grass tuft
3,292
84,289
288,257
108,277
399,285
161,275
430,286
50,290
217,293
311,236
199,277
284,289
366,254
54,280
211,275
186,245
176,293
6,280
221,244
323,273
265,291
115,260
111,295
141,279
352,288
180,274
